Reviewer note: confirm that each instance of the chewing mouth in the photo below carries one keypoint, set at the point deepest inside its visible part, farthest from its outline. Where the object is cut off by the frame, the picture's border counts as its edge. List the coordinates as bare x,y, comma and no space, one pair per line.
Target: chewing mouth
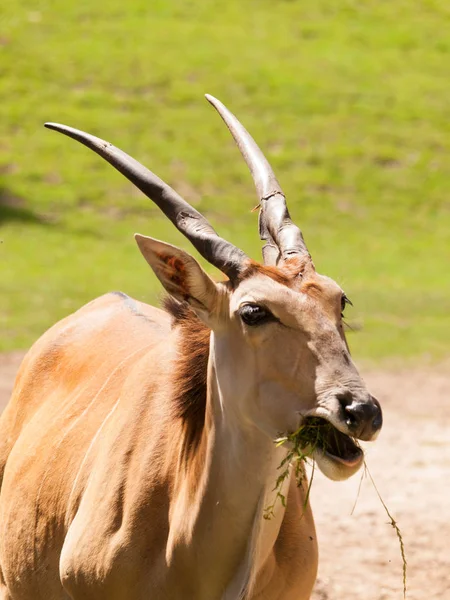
320,435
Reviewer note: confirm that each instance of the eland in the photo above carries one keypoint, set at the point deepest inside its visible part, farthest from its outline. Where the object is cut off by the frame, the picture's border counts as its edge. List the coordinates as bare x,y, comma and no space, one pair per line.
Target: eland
137,451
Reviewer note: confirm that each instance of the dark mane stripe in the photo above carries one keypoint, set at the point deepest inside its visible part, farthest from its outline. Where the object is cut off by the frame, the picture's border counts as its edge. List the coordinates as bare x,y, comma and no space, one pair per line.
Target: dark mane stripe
190,373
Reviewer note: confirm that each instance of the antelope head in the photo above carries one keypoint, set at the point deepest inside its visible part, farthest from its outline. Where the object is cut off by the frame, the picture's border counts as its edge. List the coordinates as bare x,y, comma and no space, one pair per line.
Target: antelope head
278,353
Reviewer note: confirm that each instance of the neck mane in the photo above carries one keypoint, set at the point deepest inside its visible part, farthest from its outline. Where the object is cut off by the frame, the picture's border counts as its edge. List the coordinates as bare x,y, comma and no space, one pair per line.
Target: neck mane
190,372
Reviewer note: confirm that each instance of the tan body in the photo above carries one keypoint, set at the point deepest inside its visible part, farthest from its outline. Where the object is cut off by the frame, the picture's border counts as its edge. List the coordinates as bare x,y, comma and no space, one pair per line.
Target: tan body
95,487
137,452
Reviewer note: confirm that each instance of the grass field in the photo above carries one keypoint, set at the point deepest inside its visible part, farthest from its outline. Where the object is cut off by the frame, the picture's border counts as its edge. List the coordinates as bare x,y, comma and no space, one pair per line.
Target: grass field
349,100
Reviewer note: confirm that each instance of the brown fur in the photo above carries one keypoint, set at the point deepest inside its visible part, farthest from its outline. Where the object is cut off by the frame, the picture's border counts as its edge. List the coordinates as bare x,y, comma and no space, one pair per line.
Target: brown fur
190,373
286,274
312,287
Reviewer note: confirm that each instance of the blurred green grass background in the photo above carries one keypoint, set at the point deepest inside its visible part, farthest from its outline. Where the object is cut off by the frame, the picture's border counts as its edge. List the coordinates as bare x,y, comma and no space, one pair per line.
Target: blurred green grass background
349,100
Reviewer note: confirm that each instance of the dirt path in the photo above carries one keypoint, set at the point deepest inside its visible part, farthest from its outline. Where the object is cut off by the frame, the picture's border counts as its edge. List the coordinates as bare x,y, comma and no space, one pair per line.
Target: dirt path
410,463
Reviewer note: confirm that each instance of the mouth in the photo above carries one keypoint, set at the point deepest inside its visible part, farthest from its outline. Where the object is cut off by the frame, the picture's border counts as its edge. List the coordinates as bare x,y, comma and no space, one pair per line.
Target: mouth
337,455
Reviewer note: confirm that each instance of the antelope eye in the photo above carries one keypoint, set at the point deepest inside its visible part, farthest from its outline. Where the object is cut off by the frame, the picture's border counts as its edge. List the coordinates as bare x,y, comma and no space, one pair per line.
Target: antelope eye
253,314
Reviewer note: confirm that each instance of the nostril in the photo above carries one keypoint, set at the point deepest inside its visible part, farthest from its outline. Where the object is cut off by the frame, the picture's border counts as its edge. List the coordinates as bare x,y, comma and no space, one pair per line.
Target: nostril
345,399
353,415
348,405
350,419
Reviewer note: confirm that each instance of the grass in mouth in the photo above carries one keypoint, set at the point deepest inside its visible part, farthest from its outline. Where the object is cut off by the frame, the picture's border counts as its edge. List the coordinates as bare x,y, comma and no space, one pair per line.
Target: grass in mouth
303,442
317,433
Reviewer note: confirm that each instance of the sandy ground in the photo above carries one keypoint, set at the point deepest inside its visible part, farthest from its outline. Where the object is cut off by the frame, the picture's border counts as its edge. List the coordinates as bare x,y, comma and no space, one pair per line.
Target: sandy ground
410,463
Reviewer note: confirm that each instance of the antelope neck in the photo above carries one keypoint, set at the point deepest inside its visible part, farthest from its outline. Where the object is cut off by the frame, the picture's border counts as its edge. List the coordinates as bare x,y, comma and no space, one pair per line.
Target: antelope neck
234,482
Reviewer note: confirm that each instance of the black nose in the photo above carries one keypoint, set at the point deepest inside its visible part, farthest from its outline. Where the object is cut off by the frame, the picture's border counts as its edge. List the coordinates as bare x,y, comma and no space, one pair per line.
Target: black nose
364,419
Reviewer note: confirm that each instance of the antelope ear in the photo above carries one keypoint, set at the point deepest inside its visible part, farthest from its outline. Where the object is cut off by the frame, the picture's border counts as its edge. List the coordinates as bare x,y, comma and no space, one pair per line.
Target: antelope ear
180,274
